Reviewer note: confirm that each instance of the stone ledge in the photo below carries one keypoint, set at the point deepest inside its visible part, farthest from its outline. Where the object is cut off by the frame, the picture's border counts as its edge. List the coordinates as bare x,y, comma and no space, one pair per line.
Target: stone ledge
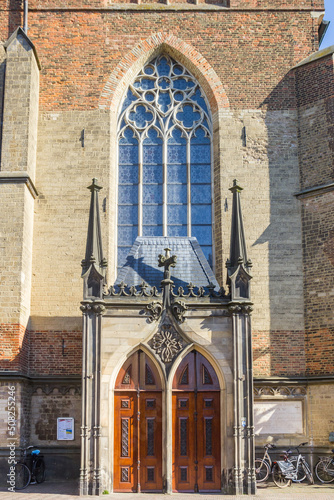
19,178
314,191
316,56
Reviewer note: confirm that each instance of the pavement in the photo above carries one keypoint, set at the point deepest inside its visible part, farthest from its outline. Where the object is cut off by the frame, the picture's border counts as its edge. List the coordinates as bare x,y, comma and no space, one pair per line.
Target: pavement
69,491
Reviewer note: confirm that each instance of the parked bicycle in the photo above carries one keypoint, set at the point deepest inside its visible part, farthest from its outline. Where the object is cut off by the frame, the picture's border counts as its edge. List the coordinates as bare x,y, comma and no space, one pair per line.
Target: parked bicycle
294,469
324,470
30,469
263,465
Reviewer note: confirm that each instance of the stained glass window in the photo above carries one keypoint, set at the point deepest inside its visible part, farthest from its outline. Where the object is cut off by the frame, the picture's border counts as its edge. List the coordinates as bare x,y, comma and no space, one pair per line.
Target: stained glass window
165,138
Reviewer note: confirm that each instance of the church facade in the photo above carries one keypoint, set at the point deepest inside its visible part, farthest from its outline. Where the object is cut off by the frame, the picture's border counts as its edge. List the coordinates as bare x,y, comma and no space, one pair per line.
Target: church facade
161,326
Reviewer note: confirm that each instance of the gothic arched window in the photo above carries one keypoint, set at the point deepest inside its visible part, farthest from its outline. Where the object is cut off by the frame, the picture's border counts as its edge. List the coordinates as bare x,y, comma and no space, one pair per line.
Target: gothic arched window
164,180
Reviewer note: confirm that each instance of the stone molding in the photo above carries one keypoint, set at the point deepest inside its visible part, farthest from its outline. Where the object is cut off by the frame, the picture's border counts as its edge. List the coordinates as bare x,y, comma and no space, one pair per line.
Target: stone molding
19,178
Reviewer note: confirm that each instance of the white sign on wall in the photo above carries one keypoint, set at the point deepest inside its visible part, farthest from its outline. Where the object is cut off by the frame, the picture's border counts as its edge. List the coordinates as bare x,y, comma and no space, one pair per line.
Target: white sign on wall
65,429
278,417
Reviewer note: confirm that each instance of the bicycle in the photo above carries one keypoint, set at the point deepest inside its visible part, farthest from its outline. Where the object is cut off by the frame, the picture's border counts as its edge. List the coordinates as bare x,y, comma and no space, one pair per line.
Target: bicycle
294,469
324,469
30,469
263,465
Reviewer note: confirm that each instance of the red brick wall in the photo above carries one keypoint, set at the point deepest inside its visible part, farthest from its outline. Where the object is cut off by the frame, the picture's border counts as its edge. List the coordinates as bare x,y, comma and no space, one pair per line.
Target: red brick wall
251,51
40,353
279,353
47,357
13,348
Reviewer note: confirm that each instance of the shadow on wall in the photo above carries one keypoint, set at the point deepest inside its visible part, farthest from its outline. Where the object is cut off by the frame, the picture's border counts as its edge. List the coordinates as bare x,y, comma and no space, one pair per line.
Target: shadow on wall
43,349
15,16
281,349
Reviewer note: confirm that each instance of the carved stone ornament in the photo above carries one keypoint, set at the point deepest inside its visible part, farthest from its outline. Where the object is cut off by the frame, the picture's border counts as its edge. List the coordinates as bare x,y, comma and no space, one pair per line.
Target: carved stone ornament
96,308
154,310
280,391
179,308
167,343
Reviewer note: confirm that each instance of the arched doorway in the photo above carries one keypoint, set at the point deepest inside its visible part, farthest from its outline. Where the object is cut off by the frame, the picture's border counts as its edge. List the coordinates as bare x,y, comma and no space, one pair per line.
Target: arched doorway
138,426
196,426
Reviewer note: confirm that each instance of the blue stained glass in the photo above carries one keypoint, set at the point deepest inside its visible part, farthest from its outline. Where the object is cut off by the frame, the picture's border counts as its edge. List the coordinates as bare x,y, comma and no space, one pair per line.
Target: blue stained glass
177,137
128,100
123,252
199,99
200,193
176,154
177,174
128,194
129,137
200,173
177,230
152,214
170,76
164,101
152,174
201,214
176,193
141,116
152,154
176,214
163,67
178,96
178,70
149,70
200,153
152,230
203,234
127,235
188,116
152,193
200,136
128,155
127,214
149,96
152,137
146,84
128,174
180,84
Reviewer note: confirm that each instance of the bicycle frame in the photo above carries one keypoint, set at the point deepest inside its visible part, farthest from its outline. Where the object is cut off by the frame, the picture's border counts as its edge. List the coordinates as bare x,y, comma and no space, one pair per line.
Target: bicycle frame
291,465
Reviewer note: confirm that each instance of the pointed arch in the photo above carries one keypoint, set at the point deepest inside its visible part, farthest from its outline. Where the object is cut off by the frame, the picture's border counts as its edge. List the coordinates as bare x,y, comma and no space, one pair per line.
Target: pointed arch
133,61
125,357
207,355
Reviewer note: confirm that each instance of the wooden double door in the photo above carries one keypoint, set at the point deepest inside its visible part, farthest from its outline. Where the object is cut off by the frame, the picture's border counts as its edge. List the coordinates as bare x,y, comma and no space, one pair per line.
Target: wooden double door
139,446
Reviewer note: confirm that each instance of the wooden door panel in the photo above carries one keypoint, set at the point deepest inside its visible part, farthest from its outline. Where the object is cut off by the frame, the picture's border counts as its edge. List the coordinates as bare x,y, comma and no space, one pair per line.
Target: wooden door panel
151,441
209,441
125,471
183,441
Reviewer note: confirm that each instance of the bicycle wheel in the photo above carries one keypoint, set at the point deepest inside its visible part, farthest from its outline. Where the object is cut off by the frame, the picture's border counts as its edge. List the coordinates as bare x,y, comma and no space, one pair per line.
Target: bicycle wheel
308,472
324,470
22,476
301,475
279,479
261,470
39,471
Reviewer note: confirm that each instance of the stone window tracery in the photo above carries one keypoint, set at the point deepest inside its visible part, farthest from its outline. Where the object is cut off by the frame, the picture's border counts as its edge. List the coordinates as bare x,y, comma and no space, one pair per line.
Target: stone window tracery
165,136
